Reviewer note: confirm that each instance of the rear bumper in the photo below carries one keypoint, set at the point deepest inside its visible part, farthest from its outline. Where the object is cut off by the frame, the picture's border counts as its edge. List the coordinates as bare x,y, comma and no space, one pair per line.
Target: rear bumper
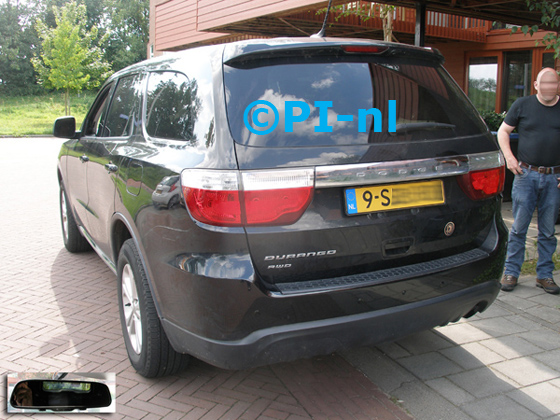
306,339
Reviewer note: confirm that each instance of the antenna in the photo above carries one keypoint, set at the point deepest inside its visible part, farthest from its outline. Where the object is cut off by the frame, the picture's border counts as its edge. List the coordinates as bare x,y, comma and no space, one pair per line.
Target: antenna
321,33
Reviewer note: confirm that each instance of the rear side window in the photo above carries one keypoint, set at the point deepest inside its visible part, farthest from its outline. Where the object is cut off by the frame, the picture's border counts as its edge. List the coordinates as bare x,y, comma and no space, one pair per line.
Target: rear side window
172,106
125,108
428,104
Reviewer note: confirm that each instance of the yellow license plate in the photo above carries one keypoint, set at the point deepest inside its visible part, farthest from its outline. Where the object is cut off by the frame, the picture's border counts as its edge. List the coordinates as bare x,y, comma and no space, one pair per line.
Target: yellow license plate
394,196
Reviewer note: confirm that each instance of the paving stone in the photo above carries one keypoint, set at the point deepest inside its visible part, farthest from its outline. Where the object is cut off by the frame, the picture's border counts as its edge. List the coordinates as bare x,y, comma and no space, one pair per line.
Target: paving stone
393,350
463,333
526,371
542,399
544,338
382,371
424,342
498,408
546,299
550,315
494,311
497,327
472,355
526,289
511,347
481,382
529,324
429,365
517,301
426,404
450,391
550,358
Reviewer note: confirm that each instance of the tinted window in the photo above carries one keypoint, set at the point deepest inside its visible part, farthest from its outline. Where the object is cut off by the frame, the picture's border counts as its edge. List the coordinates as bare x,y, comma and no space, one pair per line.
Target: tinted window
429,105
124,112
93,126
172,106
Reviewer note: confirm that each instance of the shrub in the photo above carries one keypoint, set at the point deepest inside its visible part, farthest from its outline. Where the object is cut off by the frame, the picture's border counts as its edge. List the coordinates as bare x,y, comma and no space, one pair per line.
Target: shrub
493,119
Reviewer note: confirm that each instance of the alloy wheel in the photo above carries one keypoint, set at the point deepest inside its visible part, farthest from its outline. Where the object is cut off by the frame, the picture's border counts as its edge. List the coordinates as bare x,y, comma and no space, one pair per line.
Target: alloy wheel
131,309
64,215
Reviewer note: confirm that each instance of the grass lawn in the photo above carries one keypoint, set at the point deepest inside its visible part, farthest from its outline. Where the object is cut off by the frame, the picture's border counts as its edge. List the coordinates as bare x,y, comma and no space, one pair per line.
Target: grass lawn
28,115
530,266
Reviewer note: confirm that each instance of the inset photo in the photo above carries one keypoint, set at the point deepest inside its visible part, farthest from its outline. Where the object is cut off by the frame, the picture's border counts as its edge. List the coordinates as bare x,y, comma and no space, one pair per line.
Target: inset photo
61,392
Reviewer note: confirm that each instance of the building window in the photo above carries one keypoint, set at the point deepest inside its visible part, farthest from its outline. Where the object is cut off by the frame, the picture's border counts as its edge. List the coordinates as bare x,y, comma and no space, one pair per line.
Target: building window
517,76
483,76
548,60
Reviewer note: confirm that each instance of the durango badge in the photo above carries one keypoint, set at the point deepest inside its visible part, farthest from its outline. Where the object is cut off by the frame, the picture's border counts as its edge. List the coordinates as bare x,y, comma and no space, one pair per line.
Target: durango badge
301,255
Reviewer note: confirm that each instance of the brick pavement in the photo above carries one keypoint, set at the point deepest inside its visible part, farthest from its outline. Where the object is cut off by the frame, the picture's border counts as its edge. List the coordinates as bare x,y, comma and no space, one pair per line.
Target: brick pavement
58,312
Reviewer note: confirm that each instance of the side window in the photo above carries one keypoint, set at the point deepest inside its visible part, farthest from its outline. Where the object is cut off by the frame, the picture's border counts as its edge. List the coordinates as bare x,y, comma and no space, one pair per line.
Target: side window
96,116
125,108
172,106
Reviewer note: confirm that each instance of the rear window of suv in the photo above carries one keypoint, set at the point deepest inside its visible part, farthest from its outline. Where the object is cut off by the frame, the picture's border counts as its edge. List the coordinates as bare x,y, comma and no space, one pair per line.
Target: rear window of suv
428,104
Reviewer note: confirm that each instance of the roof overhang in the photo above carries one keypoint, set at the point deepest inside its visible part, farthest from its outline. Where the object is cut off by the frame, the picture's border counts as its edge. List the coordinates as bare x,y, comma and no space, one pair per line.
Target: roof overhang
290,23
507,11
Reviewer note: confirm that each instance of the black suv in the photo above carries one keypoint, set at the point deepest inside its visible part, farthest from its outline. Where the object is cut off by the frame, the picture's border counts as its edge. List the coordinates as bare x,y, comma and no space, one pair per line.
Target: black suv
267,200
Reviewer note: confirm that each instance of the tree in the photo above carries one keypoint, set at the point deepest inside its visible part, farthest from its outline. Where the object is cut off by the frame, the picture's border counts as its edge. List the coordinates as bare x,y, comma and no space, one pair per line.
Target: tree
386,13
18,40
128,32
70,58
44,9
550,21
366,12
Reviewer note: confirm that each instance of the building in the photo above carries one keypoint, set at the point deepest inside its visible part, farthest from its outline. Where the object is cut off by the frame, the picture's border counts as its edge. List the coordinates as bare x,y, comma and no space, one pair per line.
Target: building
490,63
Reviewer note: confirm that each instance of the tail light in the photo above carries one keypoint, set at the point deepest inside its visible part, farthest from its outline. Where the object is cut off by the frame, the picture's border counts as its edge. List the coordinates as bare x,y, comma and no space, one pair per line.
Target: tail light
482,184
255,198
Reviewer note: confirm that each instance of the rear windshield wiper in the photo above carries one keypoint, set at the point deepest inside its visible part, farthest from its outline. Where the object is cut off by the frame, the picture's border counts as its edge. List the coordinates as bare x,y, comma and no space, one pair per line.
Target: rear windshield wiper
423,126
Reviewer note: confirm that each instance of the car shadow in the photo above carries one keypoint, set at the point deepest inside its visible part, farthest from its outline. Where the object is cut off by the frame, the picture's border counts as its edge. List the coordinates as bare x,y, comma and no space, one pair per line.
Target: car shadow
85,291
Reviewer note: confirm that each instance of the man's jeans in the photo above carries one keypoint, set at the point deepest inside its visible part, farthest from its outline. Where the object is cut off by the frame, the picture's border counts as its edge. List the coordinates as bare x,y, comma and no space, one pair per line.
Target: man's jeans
533,190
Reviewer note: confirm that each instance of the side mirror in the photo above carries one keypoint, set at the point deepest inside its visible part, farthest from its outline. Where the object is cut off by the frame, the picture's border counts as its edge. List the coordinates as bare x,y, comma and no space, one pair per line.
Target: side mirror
65,127
60,395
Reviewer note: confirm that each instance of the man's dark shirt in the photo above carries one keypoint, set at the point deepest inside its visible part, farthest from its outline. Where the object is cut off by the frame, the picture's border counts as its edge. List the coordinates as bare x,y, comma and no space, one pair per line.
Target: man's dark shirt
539,131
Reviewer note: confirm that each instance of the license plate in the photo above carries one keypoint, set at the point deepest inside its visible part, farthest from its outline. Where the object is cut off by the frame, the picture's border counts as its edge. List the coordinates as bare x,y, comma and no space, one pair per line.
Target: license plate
394,197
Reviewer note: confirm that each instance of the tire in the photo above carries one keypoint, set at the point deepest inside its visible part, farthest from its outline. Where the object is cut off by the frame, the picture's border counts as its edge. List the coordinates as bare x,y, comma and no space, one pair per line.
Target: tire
71,235
147,345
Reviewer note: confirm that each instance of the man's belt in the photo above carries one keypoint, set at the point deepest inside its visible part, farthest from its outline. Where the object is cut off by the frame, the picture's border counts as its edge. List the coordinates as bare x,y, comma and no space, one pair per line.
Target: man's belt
541,169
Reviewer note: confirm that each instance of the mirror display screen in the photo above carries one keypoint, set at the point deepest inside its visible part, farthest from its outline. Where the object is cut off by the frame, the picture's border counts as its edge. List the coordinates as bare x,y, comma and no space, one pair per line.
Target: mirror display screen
66,386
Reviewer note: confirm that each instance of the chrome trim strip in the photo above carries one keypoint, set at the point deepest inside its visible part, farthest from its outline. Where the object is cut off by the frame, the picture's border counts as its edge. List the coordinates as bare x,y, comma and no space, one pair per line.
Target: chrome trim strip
98,250
404,170
487,160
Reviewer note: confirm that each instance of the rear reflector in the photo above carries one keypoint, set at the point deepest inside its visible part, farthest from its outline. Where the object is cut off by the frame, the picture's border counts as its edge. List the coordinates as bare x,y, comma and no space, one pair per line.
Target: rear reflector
479,185
256,198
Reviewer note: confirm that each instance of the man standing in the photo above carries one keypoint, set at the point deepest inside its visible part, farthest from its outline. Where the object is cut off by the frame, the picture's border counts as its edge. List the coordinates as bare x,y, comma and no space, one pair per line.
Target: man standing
537,173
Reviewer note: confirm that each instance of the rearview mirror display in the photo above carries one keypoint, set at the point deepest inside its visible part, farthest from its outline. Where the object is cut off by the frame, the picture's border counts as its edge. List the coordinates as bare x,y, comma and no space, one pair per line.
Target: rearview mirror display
60,395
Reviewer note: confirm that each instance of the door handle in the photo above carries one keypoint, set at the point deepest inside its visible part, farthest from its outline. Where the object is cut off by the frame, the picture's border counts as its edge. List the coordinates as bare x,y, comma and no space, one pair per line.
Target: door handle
84,158
111,167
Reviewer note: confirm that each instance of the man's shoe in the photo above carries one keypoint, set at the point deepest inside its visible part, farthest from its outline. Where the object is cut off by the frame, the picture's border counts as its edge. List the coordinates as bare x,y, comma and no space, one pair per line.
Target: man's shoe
508,283
548,285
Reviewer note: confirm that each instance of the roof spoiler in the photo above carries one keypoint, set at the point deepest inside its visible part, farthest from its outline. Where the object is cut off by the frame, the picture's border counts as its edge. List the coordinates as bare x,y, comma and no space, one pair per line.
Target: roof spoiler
260,55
